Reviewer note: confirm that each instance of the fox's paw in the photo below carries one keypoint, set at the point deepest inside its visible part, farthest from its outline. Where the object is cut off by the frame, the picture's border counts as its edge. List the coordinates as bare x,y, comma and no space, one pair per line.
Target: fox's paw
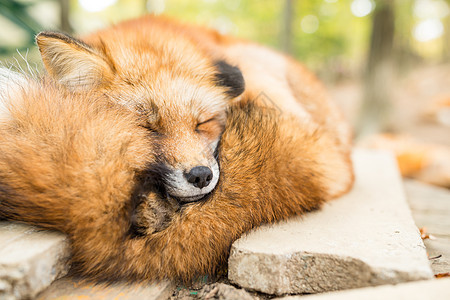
153,214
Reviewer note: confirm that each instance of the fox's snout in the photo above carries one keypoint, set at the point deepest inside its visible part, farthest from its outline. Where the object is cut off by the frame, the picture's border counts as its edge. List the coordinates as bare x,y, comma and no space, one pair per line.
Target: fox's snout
199,176
192,167
192,183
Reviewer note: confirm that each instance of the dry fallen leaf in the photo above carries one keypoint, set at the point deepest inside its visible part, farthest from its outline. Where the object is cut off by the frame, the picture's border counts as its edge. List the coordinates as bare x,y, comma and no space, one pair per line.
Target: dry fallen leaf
442,275
425,235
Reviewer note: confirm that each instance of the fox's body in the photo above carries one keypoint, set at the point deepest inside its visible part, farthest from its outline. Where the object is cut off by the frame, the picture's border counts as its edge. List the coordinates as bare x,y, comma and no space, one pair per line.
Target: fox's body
181,79
277,158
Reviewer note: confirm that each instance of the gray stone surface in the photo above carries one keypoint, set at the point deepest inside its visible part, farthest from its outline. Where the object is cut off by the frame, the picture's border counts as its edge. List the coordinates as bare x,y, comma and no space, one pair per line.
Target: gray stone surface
30,259
69,288
365,238
420,290
430,206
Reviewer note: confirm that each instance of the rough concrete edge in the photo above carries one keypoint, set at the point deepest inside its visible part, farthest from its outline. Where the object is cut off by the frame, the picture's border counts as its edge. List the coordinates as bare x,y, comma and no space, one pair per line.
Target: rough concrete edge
408,290
77,288
338,270
15,279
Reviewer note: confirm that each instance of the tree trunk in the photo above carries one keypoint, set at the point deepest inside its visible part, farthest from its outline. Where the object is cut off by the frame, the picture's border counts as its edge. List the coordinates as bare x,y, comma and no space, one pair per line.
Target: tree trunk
64,16
375,111
286,34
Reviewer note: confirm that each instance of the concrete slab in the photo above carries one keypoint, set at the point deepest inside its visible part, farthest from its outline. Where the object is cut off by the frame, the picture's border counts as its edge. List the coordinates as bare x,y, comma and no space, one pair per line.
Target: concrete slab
365,238
70,288
430,207
421,290
30,259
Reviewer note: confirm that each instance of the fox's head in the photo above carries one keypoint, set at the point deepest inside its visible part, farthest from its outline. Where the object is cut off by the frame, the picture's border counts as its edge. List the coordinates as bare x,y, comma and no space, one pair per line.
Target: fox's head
179,93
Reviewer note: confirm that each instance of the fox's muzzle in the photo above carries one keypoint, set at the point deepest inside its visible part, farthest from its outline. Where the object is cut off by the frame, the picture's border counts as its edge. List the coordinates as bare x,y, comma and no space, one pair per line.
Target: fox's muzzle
192,184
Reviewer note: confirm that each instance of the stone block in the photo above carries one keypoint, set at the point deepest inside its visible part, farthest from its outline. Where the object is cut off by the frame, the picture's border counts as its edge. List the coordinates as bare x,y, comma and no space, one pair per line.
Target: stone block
30,259
365,238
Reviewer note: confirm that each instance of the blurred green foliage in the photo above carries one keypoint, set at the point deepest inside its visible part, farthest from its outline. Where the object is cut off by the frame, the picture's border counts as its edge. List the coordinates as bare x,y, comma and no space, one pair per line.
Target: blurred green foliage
339,32
338,42
17,12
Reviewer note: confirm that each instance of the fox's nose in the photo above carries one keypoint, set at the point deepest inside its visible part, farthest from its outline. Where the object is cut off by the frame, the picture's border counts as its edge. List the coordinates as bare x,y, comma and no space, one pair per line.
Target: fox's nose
199,176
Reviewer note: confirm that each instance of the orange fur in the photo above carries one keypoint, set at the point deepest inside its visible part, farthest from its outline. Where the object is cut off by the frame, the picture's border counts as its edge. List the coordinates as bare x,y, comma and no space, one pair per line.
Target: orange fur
70,163
278,158
58,149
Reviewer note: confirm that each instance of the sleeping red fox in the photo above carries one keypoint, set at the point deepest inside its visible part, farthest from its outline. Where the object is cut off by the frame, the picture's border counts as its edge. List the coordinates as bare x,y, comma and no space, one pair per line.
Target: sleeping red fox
105,172
179,79
78,164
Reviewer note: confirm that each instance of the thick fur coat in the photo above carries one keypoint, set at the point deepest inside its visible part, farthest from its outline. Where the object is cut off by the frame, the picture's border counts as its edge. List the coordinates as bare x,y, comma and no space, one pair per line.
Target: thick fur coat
72,163
75,161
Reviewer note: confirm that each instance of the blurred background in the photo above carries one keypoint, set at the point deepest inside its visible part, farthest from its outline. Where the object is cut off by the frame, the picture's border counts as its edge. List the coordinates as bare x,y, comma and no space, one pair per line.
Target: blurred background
386,62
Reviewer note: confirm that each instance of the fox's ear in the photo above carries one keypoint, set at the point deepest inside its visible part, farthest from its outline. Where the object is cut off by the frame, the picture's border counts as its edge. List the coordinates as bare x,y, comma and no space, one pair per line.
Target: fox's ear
73,63
230,77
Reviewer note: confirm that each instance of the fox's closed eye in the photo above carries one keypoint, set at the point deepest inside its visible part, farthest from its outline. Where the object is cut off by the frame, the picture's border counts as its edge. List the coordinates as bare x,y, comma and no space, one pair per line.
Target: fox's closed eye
200,124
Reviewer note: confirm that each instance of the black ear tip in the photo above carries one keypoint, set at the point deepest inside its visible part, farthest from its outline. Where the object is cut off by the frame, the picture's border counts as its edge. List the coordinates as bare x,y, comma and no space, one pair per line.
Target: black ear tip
59,36
53,34
231,77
